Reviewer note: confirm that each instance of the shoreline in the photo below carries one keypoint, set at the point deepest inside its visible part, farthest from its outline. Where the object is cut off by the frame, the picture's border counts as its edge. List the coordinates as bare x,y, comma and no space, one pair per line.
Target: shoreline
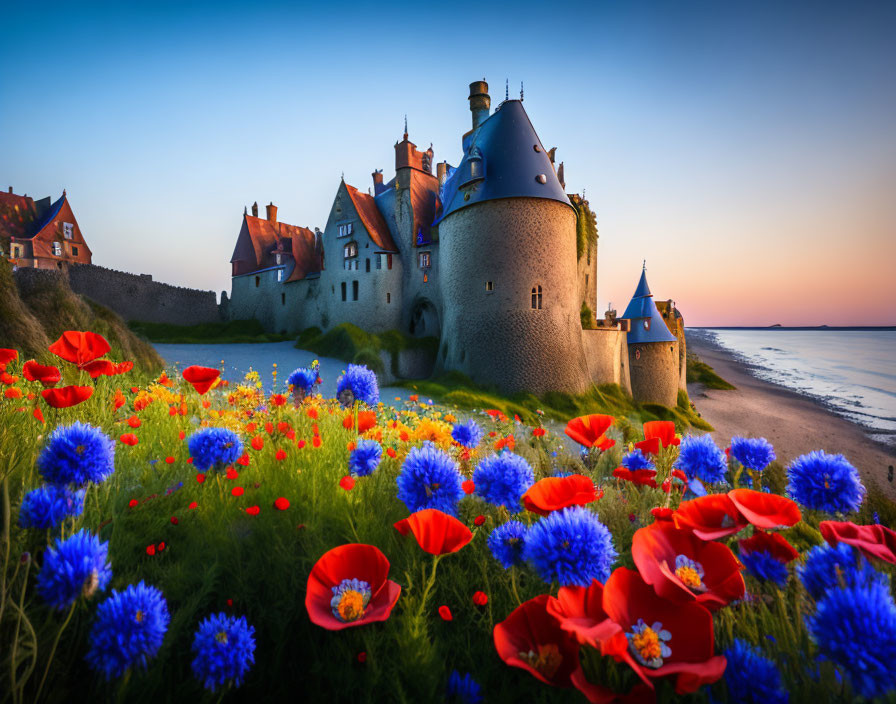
793,423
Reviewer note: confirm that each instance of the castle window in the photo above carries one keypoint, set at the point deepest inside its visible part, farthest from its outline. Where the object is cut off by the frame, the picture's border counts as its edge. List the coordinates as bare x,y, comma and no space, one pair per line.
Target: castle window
343,290
283,299
367,265
257,281
75,251
15,251
350,250
354,290
279,274
383,261
57,249
346,229
388,297
68,230
489,286
423,260
279,259
536,298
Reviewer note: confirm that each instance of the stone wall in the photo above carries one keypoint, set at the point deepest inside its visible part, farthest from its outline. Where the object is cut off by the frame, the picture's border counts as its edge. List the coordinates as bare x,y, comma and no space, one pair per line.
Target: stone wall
653,368
138,297
606,353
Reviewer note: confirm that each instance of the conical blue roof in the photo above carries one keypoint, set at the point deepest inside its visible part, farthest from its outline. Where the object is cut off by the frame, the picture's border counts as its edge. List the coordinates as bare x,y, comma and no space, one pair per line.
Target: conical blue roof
504,158
647,325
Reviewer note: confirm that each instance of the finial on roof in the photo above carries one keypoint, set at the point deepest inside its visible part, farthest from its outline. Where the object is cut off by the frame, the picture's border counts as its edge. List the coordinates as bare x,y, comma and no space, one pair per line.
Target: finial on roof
63,193
245,210
506,89
644,266
521,91
343,176
405,126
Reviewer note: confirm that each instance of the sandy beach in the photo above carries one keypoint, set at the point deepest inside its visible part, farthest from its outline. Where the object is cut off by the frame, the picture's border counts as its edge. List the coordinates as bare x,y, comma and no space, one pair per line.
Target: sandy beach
794,424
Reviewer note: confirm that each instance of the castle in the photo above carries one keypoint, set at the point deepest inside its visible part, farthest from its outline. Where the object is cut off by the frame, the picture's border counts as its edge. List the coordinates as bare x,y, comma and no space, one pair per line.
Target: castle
489,256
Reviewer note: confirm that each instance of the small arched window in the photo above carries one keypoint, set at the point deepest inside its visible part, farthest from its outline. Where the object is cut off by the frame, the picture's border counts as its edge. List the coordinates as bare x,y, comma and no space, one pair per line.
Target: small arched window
536,297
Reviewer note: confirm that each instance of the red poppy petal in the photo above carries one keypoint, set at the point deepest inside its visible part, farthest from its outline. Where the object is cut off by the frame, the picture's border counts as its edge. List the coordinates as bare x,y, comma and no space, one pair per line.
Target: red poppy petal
554,493
589,430
650,446
46,375
663,430
66,396
766,511
772,543
7,356
710,517
874,540
80,347
580,612
437,532
98,368
201,378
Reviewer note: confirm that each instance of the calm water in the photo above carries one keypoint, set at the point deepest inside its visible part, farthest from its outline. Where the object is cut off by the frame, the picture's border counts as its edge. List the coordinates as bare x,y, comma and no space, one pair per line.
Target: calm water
239,359
851,371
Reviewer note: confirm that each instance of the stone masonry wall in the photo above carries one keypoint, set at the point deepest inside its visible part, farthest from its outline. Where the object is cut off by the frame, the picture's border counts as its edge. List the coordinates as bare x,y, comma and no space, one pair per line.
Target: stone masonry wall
138,297
653,367
606,353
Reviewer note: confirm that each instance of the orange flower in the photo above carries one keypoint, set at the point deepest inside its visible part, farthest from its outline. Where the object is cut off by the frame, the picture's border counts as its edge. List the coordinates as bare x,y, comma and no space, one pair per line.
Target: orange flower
664,430
13,392
589,430
118,400
66,396
80,348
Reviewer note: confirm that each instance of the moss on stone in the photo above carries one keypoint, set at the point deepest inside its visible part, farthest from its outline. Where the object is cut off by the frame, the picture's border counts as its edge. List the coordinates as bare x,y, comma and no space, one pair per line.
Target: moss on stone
699,372
587,316
586,227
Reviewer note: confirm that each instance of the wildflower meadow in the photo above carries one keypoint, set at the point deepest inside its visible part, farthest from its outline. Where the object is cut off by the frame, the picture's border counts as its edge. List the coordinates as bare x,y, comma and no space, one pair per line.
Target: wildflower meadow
194,538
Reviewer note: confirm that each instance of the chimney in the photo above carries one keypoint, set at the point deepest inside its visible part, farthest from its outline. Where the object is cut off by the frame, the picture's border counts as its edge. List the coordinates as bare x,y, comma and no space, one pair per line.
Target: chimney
10,189
272,212
442,171
377,181
255,209
480,102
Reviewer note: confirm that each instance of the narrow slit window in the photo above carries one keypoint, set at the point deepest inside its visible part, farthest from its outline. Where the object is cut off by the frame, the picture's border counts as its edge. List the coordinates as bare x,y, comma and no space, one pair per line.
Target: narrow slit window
536,298
489,286
343,290
388,297
354,290
283,299
257,281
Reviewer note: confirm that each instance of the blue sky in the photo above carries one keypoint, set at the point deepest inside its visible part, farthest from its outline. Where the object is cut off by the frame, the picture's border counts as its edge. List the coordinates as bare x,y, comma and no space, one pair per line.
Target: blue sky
747,150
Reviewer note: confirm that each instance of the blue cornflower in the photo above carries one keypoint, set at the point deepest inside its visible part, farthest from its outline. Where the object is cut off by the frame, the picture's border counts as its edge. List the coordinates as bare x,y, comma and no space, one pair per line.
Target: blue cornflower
825,482
571,547
77,454
507,542
463,689
635,460
303,379
855,628
700,458
751,678
74,567
827,567
225,650
214,447
765,567
467,434
365,458
503,479
753,453
429,478
357,383
47,506
128,630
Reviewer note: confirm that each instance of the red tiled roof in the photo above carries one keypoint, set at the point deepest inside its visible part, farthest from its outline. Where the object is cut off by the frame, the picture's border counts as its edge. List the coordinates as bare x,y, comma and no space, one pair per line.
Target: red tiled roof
305,253
265,235
372,219
424,200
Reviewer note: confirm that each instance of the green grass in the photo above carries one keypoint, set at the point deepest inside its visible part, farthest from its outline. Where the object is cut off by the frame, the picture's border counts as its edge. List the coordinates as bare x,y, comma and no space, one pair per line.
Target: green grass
699,372
232,331
352,344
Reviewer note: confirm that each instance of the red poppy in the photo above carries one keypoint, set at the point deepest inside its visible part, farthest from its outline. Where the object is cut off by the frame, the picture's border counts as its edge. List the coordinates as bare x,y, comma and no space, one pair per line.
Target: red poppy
129,439
253,510
281,504
200,477
662,513
479,520
315,441
122,368
134,422
682,644
710,517
48,376
80,347
269,428
201,378
874,540
66,396
243,460
554,493
651,446
300,444
8,379
193,505
589,430
468,486
480,598
362,657
604,443
13,392
765,511
174,520
436,532
237,491
445,613
257,442
681,567
98,368
538,432
169,460
7,356
662,429
347,482
132,503
280,455
161,546
773,543
38,414
531,638
231,473
150,550
278,400
580,612
335,573
391,452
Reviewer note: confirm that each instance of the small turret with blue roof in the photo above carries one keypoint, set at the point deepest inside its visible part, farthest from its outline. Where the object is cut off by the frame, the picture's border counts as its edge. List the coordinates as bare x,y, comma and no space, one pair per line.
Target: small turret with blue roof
652,349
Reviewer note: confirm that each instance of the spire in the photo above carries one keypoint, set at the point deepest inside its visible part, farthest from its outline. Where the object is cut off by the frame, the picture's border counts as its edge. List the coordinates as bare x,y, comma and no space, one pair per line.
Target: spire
506,89
647,324
405,126
644,266
521,91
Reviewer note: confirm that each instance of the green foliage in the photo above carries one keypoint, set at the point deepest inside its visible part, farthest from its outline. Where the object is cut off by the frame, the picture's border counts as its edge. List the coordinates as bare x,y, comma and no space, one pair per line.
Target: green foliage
352,344
587,317
586,227
232,331
700,372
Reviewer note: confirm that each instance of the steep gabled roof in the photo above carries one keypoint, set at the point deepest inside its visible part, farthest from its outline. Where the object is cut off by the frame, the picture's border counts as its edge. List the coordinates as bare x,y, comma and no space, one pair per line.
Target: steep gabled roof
305,253
512,159
372,219
258,239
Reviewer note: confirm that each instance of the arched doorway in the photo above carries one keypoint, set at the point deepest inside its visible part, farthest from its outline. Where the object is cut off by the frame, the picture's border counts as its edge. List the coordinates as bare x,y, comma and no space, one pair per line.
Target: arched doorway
424,319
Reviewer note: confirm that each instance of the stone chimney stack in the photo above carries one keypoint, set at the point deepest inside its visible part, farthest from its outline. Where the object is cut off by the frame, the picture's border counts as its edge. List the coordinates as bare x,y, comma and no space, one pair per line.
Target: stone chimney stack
377,181
480,102
255,209
442,171
272,212
10,189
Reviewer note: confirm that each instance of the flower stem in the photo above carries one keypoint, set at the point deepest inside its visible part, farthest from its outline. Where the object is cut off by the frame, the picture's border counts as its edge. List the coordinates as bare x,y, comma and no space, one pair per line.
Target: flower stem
53,651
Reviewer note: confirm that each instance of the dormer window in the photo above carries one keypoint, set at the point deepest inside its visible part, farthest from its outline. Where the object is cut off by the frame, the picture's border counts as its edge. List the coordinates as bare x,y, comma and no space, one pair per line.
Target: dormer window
346,229
68,230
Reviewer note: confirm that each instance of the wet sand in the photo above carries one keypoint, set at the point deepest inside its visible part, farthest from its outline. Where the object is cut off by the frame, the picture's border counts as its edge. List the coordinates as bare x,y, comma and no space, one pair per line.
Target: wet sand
794,424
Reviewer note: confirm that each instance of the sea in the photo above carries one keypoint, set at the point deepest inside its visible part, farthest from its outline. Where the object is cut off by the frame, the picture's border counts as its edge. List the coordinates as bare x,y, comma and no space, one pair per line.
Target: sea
852,372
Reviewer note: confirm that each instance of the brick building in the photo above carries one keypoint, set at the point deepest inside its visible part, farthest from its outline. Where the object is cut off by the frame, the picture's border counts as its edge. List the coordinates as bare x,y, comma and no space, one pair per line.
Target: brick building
40,233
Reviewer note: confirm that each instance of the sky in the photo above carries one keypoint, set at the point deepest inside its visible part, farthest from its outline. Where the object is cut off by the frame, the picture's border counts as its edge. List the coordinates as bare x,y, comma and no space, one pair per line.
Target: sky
746,150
